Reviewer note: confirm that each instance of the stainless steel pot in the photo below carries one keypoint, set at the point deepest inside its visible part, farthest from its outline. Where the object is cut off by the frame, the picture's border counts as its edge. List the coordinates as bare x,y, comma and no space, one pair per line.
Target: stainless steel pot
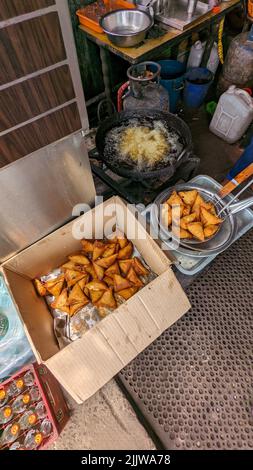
126,28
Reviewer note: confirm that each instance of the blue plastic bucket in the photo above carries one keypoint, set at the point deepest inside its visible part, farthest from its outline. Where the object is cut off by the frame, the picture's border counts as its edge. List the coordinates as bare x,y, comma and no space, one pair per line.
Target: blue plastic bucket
197,83
172,78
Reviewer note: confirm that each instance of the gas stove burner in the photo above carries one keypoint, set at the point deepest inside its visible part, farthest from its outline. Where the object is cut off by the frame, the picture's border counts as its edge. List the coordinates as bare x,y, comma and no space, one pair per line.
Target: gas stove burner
143,191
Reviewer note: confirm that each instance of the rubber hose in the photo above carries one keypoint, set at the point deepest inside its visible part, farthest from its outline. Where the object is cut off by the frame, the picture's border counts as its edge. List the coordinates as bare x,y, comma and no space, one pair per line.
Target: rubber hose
220,43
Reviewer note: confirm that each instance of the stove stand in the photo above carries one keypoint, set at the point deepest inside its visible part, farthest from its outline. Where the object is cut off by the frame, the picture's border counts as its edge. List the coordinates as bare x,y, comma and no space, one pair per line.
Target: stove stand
144,191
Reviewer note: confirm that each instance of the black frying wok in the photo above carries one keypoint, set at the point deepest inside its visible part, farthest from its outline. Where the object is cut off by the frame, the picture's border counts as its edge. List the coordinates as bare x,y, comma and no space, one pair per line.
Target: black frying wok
170,121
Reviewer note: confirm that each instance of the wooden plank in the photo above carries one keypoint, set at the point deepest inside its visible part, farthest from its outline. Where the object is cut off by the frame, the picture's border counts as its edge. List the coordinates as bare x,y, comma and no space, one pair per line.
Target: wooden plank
29,46
44,131
28,99
11,8
152,46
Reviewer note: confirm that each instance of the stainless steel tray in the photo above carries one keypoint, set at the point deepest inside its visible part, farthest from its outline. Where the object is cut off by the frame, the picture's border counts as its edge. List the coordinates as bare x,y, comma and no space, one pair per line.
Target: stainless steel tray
174,13
191,265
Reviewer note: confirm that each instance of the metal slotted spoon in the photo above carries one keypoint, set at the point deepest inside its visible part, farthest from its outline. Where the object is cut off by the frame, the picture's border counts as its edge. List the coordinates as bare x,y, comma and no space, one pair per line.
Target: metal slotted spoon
222,238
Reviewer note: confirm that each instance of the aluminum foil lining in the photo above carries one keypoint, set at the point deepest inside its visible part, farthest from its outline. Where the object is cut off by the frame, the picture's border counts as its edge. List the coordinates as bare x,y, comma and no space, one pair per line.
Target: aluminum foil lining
67,328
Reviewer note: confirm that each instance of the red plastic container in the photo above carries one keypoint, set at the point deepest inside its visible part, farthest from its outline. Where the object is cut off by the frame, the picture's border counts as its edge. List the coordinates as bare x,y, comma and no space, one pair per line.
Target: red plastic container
52,397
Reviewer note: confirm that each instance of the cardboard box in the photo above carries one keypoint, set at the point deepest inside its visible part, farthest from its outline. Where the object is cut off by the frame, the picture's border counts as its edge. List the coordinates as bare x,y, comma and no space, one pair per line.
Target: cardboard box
87,364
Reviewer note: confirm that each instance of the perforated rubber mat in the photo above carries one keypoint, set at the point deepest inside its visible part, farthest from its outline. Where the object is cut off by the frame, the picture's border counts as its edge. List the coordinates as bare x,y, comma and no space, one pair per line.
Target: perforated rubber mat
194,384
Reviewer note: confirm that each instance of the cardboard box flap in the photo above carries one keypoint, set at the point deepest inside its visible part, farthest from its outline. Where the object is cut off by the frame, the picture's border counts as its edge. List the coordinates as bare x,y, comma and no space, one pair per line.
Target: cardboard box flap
89,363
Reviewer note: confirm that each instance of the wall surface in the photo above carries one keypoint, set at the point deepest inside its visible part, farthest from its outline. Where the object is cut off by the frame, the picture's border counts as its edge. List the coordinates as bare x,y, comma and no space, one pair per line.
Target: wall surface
41,94
89,58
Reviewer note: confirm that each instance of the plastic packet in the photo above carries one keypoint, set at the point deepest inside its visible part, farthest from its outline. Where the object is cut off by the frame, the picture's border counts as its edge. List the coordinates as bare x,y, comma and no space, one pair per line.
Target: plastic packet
15,350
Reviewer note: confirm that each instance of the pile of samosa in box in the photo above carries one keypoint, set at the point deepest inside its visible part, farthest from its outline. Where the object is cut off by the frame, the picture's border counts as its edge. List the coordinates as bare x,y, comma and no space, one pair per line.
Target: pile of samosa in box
197,218
103,273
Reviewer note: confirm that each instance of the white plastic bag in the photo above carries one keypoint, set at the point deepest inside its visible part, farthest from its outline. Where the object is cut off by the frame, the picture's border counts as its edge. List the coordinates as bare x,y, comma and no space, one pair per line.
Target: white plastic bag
15,350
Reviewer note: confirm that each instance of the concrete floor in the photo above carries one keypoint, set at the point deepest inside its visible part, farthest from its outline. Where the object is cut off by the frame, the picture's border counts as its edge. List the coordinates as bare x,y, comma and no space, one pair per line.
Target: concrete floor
216,156
107,420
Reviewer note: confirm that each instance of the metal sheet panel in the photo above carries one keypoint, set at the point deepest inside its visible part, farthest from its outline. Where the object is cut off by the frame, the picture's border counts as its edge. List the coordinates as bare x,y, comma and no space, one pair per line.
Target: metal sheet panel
38,192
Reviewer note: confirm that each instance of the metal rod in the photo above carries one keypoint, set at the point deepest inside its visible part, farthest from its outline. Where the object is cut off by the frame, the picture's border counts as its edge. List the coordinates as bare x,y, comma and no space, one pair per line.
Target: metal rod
236,196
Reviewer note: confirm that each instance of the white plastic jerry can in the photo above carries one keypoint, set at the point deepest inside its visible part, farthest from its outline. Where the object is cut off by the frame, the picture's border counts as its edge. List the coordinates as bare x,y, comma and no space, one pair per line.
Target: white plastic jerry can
196,54
233,115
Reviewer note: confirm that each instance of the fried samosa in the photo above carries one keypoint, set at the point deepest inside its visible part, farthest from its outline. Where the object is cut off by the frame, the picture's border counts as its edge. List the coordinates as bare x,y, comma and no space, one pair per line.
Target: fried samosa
208,218
210,230
109,250
107,300
90,270
75,308
199,201
196,229
187,220
82,283
87,246
95,295
125,265
134,279
126,252
98,270
106,262
175,199
113,269
55,286
122,241
98,250
109,281
166,215
72,277
96,285
120,283
79,259
40,287
69,265
188,197
77,296
186,210
139,267
128,293
61,302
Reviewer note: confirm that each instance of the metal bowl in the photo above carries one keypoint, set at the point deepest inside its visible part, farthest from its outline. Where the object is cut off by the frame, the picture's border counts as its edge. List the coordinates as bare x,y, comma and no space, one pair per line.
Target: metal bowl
214,245
126,28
